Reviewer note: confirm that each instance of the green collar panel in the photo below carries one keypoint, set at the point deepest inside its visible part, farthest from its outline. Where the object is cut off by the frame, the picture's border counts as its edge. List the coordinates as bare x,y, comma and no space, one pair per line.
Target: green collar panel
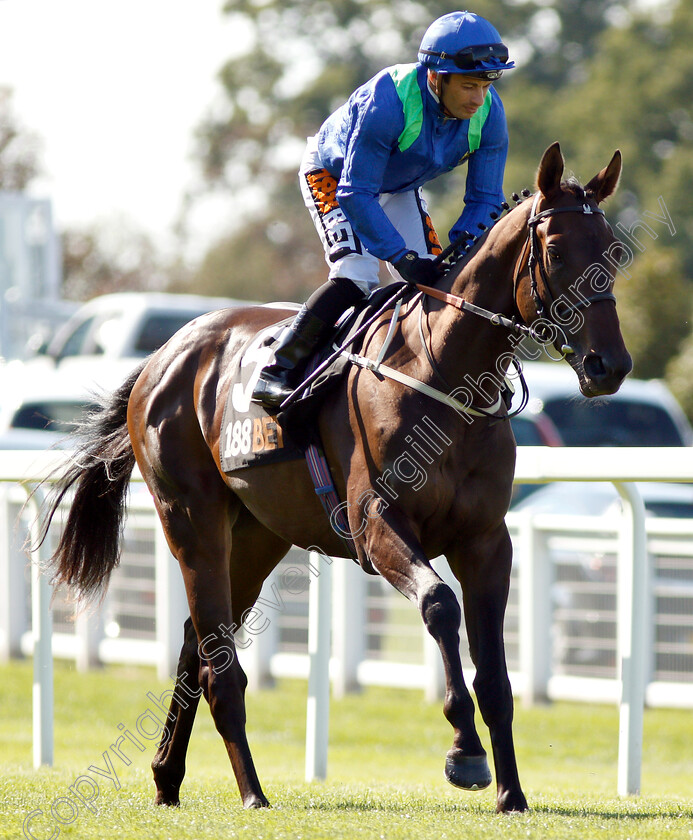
406,84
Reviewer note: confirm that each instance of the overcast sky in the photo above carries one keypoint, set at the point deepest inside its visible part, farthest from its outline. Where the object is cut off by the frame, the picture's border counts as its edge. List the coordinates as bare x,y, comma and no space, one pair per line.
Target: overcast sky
114,88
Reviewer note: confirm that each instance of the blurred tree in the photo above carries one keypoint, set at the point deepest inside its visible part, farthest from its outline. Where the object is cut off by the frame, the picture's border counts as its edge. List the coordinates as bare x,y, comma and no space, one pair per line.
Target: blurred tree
679,375
636,96
19,148
596,75
110,258
654,324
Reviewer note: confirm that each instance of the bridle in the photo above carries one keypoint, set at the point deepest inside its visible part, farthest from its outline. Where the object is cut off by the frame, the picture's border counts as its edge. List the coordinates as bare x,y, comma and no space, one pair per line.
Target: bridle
548,323
528,256
547,329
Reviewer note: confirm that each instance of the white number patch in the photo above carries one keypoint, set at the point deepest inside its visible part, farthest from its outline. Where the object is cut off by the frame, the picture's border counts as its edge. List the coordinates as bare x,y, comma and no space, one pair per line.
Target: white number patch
238,438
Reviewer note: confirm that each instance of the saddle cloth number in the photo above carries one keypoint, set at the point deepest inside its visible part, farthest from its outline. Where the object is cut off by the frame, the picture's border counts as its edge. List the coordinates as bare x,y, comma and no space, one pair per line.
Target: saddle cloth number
259,355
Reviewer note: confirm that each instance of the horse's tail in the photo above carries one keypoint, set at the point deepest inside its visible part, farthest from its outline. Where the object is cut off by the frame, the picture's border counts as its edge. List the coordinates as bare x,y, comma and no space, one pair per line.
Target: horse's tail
99,476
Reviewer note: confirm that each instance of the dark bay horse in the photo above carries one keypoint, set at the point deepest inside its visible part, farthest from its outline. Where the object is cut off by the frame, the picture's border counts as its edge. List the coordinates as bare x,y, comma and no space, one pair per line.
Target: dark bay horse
548,263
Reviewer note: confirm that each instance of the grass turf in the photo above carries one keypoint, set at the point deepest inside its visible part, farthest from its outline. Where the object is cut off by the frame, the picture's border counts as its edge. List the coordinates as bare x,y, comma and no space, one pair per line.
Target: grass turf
385,780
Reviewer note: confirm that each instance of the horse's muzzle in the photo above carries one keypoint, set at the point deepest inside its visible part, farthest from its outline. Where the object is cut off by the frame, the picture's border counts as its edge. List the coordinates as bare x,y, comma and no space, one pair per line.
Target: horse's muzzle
601,375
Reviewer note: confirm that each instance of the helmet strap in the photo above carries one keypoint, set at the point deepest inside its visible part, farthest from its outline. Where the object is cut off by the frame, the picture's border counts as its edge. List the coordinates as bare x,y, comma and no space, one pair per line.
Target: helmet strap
435,81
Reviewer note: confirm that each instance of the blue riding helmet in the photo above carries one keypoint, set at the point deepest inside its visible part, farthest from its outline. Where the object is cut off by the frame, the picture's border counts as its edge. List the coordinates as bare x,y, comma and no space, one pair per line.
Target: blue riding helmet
462,42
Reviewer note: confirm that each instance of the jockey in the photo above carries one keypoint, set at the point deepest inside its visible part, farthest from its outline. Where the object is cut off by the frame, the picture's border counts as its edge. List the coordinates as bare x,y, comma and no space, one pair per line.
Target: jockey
361,177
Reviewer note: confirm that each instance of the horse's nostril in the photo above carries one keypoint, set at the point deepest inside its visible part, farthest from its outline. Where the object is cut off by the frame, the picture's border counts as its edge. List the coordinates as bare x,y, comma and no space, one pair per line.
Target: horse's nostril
594,367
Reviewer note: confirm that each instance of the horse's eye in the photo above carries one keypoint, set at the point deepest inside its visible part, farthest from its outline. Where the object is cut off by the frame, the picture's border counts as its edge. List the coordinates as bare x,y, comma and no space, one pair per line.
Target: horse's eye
554,254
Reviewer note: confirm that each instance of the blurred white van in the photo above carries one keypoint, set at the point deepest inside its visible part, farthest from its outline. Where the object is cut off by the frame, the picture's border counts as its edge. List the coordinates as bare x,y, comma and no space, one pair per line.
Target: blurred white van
109,335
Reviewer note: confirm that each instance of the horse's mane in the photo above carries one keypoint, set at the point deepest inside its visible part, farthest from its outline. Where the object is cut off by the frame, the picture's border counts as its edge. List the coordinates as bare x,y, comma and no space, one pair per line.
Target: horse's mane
572,185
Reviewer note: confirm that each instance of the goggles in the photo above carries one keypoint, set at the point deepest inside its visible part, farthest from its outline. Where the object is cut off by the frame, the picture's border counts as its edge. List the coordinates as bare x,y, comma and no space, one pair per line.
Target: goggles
472,58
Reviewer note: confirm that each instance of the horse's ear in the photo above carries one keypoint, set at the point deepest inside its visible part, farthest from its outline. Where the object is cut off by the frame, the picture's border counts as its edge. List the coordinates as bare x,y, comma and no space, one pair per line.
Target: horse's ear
550,170
605,182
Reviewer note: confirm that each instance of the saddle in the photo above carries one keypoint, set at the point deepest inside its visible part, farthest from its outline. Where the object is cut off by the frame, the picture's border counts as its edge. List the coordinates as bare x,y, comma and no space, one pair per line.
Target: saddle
251,436
298,419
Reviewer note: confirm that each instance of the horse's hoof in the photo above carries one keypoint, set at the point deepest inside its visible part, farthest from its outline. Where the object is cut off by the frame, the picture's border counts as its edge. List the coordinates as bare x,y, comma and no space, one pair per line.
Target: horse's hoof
511,802
470,772
256,802
171,801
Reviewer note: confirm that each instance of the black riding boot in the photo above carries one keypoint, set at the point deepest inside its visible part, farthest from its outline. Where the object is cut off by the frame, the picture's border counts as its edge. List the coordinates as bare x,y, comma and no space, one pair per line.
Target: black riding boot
296,344
305,334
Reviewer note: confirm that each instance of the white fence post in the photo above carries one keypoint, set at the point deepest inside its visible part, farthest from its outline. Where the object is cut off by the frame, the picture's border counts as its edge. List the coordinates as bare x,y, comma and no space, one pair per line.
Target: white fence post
632,597
348,625
89,633
256,658
171,606
42,631
14,617
534,590
319,625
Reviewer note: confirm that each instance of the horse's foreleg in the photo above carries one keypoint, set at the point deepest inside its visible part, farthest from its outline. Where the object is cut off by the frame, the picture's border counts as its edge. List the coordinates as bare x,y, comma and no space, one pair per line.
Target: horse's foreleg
398,557
466,765
168,765
485,580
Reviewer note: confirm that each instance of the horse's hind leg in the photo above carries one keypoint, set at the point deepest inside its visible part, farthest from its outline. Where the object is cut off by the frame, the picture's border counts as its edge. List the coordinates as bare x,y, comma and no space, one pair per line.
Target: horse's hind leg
168,765
254,553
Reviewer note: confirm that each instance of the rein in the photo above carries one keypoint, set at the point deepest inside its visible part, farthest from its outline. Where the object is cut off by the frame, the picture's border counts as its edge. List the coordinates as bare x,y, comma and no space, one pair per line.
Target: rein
538,333
463,305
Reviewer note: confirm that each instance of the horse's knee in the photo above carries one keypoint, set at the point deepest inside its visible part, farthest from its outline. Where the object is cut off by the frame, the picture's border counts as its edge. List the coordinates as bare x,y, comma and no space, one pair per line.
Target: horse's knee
440,610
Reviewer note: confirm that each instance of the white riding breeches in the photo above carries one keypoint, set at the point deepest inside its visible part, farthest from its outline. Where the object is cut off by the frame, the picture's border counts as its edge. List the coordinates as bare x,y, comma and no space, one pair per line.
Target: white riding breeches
345,255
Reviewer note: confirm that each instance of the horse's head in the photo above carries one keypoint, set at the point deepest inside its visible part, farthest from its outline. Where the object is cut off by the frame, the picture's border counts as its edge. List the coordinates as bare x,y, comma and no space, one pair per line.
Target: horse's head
564,287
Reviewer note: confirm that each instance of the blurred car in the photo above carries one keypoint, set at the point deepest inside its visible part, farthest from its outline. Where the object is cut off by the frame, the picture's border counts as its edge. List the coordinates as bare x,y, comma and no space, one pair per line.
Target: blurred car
129,325
40,413
535,429
109,335
600,498
532,429
641,413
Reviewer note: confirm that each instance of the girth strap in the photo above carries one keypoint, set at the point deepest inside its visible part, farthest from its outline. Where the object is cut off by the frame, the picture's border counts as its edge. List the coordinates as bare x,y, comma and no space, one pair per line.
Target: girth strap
325,490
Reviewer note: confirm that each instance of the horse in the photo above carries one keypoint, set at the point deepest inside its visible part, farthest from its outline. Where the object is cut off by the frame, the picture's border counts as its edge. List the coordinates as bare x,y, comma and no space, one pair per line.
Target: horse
546,267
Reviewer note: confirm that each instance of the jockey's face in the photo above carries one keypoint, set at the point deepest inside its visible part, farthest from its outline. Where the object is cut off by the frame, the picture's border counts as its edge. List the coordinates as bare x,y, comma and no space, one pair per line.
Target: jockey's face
461,95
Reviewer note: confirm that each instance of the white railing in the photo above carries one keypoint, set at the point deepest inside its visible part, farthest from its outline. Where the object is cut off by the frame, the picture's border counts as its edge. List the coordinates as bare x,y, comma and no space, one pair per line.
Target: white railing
348,666
621,467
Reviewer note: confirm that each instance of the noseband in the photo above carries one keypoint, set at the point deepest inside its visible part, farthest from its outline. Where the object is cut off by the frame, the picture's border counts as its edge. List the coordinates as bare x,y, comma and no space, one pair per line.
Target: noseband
535,262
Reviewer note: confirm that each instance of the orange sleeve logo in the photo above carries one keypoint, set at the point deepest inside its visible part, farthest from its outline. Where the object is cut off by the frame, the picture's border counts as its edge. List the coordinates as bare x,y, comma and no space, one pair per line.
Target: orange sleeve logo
323,187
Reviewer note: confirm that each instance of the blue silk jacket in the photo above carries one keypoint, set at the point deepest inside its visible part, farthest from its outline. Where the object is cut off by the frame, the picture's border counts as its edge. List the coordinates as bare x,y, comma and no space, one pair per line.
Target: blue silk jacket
392,136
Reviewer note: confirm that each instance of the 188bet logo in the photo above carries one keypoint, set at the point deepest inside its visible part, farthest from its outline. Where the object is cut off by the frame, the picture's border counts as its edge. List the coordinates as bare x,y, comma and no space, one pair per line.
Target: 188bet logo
257,434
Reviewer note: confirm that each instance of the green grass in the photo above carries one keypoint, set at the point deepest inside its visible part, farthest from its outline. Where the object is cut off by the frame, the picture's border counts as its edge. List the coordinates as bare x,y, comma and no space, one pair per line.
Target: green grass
387,749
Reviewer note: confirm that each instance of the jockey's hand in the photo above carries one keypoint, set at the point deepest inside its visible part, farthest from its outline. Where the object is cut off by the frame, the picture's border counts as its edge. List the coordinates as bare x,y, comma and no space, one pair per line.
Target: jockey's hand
415,269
